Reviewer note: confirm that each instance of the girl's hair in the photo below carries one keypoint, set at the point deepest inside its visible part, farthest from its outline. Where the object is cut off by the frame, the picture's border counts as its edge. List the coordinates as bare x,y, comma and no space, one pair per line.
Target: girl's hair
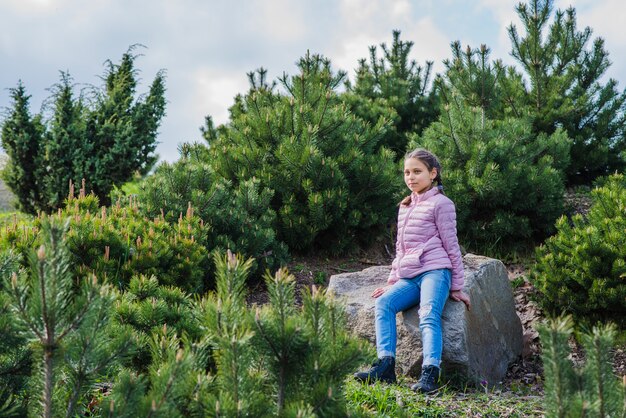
430,161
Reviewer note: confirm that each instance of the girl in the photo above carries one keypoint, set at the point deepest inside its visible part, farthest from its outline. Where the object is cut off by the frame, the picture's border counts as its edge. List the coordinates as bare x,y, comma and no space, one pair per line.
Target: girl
427,269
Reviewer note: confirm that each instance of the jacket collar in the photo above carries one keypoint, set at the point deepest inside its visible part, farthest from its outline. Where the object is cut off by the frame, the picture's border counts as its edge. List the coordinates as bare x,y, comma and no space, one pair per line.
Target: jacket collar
417,198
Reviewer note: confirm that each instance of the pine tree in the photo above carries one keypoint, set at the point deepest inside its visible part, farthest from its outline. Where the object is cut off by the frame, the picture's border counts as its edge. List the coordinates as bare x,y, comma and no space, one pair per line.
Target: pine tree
15,354
581,269
334,185
239,377
506,181
105,140
147,307
67,318
308,350
591,391
475,78
63,144
565,88
395,88
237,217
173,386
122,130
22,137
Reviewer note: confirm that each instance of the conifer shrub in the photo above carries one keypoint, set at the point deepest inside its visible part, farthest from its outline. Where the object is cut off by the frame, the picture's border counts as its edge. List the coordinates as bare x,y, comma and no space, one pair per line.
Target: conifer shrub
236,217
334,185
105,138
393,86
15,353
279,360
119,242
214,356
65,319
150,309
506,182
582,269
592,390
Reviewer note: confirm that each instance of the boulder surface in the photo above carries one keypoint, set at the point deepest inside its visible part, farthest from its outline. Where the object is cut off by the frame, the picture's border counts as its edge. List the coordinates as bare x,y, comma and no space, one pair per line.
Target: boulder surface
479,344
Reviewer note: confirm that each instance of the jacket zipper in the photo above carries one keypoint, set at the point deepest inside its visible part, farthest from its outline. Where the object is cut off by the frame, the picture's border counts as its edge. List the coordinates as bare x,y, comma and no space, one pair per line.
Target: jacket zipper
406,220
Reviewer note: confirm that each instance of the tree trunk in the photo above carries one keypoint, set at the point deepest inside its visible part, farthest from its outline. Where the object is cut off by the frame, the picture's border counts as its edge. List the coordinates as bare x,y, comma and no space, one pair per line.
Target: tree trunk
47,390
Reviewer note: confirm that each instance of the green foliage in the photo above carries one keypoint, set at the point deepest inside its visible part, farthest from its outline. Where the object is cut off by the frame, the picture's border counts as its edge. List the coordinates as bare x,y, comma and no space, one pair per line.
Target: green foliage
480,82
151,309
106,139
15,355
334,185
172,387
308,353
591,391
119,242
66,318
237,218
395,401
22,141
565,89
582,269
278,360
394,88
502,177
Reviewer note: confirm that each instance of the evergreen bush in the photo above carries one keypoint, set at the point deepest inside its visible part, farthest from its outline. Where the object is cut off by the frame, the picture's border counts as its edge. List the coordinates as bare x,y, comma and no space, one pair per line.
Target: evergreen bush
150,309
500,175
237,218
590,391
211,357
333,184
393,87
66,319
15,353
119,242
279,360
105,139
568,89
582,269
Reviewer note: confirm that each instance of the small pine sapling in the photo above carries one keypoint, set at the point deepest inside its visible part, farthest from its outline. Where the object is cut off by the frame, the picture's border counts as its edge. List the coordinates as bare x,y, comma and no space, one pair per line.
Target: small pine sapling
64,316
592,390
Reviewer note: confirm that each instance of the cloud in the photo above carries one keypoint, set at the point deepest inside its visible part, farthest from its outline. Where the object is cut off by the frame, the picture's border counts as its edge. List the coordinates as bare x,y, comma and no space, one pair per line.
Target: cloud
371,23
213,89
279,20
208,47
504,14
606,19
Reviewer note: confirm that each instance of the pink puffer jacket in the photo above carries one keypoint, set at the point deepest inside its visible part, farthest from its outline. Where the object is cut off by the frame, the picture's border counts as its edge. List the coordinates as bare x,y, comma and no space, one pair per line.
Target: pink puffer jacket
427,238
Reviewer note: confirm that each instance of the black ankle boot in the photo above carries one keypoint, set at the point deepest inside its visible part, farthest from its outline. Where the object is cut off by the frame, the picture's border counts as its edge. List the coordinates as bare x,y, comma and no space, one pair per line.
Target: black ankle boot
428,380
383,369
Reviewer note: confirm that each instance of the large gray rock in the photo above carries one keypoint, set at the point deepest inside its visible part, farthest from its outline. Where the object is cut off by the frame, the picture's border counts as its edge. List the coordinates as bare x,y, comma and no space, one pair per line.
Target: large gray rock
479,344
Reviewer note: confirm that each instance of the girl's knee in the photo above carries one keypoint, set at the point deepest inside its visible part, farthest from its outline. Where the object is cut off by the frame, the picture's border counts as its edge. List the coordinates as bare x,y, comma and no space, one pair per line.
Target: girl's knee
383,303
429,315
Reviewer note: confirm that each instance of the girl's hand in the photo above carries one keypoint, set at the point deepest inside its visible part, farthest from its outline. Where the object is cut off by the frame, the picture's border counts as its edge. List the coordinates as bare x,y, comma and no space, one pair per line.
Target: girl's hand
379,291
461,296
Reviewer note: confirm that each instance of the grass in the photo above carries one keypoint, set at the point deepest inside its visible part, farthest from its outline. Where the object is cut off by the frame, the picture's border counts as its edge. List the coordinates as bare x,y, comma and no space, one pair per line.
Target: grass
383,400
9,217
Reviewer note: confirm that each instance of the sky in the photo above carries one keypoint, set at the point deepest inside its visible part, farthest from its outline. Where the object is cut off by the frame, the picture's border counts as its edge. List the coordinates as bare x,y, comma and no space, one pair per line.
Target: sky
206,47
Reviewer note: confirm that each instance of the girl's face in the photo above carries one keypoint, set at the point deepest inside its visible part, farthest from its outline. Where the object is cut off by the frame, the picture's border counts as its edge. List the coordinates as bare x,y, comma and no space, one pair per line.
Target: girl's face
417,176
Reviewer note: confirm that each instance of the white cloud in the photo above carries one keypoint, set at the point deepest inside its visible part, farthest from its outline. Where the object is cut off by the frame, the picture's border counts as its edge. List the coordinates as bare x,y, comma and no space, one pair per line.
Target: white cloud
431,43
504,14
207,47
212,92
371,22
606,19
401,9
279,20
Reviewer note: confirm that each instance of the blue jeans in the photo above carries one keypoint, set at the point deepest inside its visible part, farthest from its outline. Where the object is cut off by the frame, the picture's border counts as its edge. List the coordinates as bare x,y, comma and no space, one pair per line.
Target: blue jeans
430,289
